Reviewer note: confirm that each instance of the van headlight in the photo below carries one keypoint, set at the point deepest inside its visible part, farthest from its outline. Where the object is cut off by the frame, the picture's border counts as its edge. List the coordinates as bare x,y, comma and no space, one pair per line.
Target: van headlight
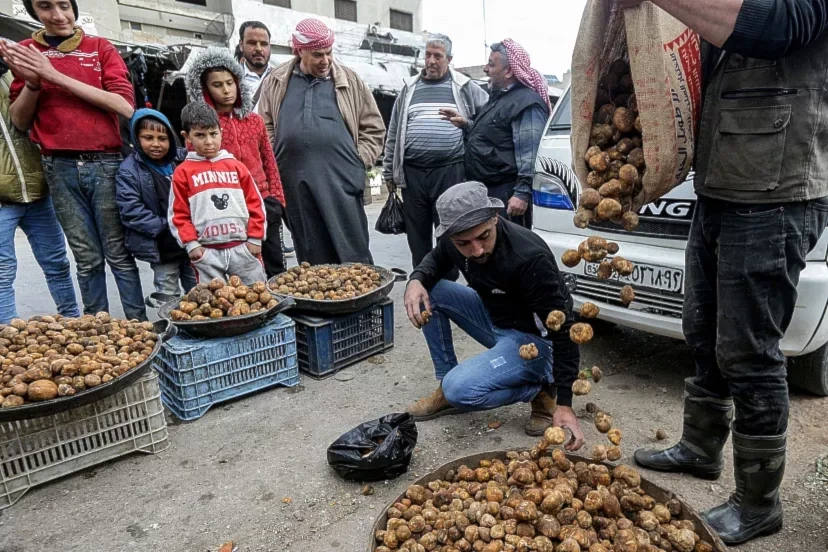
548,191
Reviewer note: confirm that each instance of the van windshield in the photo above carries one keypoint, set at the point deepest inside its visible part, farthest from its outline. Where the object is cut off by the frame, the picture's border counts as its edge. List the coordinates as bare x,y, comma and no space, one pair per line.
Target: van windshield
562,118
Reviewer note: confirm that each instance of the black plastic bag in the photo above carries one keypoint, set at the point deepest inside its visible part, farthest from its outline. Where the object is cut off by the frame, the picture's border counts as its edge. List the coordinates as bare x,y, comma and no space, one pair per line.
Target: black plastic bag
375,450
391,219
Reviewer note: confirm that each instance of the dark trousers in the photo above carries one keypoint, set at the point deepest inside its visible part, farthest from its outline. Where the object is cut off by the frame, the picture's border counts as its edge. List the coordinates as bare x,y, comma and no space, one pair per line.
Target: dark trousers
504,193
743,264
423,187
273,255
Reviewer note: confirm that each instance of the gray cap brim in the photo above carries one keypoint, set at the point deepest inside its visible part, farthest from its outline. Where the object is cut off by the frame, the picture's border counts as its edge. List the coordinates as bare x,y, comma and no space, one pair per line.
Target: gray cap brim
469,220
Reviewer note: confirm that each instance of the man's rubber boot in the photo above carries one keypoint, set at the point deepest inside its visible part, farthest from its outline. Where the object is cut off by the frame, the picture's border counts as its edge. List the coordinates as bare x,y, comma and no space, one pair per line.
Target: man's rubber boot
754,508
543,408
433,406
706,428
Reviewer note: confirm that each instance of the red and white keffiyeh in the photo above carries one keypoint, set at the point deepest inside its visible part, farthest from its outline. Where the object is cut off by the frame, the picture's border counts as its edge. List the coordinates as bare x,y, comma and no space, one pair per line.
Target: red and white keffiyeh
311,34
522,69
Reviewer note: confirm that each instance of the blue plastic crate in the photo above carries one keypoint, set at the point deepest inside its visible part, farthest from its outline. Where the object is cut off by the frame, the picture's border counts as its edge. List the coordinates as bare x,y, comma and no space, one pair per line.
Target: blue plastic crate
326,345
196,373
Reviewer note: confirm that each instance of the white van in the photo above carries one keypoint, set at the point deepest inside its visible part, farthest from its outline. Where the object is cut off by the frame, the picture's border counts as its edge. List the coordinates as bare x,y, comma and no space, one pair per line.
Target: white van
657,249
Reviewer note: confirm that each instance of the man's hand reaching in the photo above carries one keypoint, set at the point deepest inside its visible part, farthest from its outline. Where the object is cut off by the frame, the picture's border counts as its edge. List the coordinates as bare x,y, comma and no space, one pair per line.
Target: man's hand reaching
565,417
416,295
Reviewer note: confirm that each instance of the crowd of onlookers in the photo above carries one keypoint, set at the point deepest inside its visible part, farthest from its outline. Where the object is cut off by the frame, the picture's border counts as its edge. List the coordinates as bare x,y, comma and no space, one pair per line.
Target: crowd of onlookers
261,145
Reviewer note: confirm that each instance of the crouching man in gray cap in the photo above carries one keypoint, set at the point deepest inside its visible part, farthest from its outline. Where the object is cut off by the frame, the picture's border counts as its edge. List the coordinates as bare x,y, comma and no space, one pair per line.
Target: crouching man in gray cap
514,284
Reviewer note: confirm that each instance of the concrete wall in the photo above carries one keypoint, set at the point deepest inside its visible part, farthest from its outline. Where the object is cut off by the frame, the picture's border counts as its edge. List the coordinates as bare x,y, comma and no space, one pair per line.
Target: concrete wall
98,17
170,22
369,12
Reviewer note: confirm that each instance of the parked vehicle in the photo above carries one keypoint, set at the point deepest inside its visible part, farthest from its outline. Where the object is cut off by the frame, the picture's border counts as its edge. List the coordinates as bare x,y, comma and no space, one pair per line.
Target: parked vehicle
657,249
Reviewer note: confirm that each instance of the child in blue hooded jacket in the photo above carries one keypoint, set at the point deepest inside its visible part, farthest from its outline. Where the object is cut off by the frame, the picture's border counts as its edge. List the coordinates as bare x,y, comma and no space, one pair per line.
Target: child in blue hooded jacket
142,191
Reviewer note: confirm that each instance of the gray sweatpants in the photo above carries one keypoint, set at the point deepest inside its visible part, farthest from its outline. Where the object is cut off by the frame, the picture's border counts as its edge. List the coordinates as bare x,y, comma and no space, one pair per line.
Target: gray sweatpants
223,263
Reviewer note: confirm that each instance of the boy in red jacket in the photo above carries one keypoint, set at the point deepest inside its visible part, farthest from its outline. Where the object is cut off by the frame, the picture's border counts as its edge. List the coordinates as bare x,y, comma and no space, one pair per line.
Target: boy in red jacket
216,211
217,79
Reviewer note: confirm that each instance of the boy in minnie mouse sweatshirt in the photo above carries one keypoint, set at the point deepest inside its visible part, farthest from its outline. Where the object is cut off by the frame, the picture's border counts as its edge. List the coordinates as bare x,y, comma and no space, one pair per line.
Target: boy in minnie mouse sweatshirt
216,211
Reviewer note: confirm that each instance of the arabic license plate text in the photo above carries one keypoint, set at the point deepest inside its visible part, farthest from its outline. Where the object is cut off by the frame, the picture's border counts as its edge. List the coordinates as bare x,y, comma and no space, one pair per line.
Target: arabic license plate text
644,275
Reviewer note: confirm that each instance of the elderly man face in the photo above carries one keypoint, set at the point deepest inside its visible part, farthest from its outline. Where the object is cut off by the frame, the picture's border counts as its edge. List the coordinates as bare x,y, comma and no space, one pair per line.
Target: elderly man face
499,71
436,62
316,62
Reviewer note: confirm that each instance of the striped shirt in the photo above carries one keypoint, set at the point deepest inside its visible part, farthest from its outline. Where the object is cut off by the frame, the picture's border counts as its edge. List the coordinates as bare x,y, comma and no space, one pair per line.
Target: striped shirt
429,140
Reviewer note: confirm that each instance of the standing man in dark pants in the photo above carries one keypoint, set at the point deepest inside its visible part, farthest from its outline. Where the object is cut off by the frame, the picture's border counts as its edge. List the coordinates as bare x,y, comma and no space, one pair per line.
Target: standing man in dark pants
503,138
423,151
760,178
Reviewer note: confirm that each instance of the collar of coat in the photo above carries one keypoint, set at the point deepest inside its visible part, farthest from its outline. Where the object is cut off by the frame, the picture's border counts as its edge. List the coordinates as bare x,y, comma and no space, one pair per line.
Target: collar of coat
68,45
285,70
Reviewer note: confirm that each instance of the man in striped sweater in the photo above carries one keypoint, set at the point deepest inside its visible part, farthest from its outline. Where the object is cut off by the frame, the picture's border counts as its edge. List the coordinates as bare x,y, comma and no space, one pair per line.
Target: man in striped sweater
424,152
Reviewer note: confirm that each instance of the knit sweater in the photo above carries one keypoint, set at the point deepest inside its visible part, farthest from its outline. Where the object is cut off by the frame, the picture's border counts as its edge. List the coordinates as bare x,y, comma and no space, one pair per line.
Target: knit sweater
214,202
64,122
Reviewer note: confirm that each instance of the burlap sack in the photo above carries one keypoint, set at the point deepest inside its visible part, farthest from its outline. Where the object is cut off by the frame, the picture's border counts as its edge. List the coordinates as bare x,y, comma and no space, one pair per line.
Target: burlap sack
665,66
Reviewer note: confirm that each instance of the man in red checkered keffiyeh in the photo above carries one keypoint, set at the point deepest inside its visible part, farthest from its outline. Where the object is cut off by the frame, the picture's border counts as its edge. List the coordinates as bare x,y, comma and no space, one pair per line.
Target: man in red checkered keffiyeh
311,34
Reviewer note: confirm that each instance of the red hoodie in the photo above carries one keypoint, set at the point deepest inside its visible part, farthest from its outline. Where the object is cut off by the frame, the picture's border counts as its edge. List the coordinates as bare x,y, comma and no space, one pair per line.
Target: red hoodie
64,121
247,140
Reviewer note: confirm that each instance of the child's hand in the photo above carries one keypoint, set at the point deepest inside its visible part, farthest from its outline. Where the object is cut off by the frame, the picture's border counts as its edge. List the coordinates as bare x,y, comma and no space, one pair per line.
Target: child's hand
254,249
196,253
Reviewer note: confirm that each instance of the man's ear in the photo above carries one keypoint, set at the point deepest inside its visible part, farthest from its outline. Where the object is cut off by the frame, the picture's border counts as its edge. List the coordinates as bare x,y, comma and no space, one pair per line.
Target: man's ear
185,135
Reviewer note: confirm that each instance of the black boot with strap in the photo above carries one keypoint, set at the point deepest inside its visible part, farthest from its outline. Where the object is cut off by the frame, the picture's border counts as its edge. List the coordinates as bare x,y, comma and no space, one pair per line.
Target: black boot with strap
706,428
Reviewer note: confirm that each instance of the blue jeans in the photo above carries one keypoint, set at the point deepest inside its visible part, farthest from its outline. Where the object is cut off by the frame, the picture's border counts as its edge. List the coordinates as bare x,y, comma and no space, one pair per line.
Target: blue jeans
492,379
38,222
83,190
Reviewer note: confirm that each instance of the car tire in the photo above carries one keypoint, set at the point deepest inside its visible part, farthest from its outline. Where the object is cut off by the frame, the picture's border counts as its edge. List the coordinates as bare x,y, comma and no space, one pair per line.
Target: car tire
810,372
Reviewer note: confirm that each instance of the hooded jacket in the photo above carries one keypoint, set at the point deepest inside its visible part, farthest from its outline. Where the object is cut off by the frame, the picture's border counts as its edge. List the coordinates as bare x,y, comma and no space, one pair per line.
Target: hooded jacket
21,174
143,212
243,132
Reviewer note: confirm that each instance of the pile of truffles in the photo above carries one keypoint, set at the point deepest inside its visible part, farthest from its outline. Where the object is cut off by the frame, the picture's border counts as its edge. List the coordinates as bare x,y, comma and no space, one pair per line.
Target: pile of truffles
327,283
537,502
615,157
53,356
219,299
595,250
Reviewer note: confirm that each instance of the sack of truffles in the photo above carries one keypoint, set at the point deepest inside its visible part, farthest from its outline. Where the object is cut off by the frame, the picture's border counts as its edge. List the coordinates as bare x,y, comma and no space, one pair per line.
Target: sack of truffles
636,91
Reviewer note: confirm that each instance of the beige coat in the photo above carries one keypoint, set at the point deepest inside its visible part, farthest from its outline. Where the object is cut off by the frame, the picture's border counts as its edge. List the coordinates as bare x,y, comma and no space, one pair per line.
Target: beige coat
355,101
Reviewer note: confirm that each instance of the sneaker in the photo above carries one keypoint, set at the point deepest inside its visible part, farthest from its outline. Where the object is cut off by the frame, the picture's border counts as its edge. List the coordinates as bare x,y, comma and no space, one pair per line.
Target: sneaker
155,299
290,251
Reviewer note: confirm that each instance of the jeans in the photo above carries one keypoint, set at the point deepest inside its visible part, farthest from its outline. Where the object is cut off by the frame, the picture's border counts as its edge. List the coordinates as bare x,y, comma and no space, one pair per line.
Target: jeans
38,222
492,379
83,190
504,193
422,188
167,275
743,264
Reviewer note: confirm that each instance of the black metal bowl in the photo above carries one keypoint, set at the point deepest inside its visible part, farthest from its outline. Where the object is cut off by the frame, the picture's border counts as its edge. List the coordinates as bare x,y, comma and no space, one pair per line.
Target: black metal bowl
341,306
165,331
225,327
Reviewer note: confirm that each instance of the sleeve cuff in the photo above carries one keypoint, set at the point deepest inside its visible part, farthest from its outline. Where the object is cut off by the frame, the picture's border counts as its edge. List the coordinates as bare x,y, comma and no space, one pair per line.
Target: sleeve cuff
190,246
564,396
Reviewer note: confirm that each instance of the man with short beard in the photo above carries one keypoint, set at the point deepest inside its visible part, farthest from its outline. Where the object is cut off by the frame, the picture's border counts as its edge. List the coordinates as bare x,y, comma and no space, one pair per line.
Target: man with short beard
514,283
326,131
254,44
424,152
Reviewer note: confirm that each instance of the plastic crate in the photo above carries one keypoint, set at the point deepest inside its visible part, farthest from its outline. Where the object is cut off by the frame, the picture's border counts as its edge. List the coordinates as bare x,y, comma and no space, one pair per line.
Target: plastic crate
33,452
326,345
196,373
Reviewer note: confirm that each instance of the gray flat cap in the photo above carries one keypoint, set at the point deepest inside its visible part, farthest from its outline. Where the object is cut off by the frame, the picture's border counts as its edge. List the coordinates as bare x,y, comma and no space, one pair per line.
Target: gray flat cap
463,207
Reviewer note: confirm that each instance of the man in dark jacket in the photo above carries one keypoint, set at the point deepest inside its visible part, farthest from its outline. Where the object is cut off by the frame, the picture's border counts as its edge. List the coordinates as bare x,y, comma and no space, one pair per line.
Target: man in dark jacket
502,139
514,284
760,177
142,191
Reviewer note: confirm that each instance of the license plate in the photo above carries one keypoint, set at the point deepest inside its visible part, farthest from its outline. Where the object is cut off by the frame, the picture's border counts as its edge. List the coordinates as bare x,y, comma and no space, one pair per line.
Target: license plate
661,278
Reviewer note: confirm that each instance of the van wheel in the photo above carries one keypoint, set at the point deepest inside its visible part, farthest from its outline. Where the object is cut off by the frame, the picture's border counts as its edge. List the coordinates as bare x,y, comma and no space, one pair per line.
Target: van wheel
810,372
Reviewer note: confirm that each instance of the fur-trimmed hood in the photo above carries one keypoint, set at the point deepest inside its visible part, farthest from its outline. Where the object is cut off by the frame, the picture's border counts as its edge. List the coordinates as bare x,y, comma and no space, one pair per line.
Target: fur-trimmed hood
211,58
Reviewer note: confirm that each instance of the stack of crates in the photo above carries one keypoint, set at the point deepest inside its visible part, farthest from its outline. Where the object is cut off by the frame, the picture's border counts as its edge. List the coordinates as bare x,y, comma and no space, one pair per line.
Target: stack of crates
38,450
196,373
326,345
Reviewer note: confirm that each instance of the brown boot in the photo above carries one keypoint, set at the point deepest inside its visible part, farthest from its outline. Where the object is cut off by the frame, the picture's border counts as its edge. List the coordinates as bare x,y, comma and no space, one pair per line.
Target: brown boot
433,406
543,407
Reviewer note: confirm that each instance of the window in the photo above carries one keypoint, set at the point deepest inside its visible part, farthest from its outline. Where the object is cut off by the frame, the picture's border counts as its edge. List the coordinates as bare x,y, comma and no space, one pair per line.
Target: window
562,116
199,36
279,3
345,9
135,26
196,2
402,21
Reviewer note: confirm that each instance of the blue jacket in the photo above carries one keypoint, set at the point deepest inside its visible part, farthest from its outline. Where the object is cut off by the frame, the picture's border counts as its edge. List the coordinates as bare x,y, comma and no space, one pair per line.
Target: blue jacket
136,196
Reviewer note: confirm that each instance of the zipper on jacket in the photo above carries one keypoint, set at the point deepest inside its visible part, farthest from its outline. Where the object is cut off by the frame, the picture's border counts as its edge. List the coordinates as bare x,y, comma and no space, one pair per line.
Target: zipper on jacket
748,93
23,191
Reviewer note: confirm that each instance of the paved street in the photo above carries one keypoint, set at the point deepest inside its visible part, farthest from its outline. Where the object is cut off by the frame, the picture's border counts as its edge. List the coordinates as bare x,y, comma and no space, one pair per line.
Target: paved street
225,475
